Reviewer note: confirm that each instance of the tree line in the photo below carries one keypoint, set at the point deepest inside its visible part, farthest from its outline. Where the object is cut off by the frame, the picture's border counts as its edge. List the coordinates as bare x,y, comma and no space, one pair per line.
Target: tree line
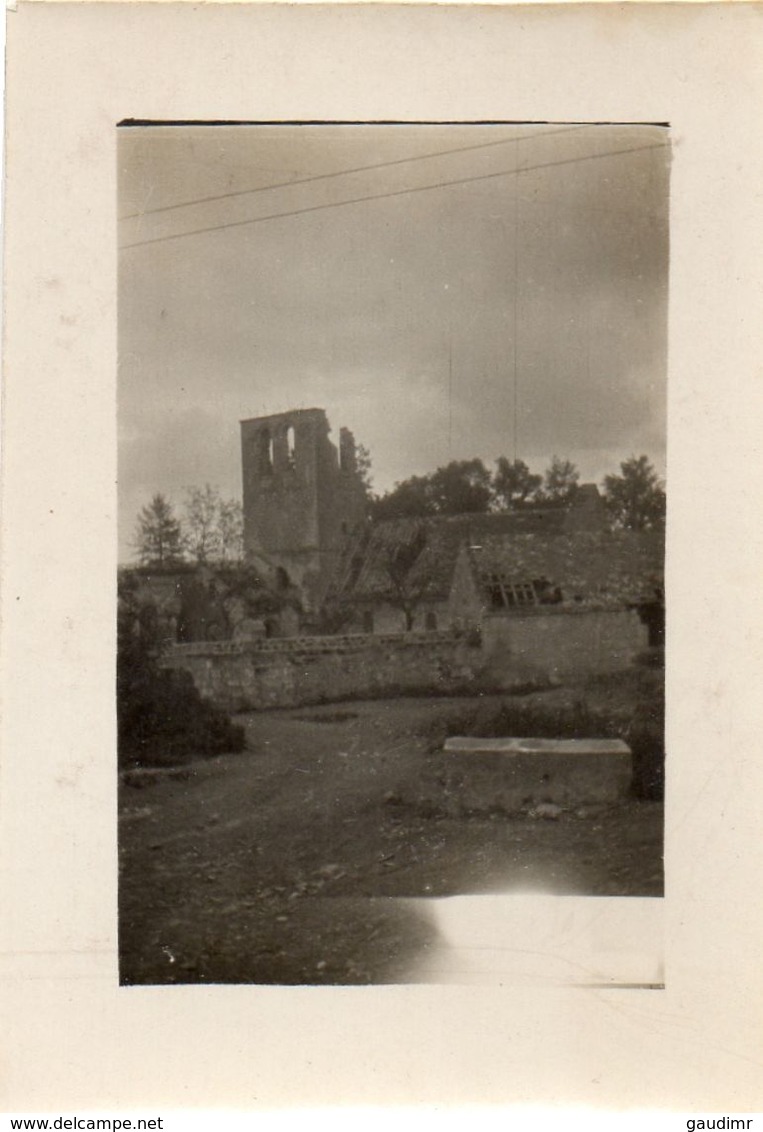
634,497
210,528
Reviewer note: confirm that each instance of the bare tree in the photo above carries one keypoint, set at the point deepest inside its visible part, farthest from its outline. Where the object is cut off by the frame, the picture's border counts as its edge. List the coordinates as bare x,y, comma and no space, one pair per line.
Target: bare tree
399,565
230,530
201,523
213,527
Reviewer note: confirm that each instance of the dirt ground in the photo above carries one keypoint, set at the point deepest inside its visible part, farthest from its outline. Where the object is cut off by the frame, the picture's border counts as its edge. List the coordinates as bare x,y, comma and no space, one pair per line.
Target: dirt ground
285,864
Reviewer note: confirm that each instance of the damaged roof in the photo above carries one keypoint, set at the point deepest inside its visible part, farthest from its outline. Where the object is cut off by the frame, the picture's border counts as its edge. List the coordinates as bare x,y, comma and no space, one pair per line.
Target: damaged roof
594,567
420,554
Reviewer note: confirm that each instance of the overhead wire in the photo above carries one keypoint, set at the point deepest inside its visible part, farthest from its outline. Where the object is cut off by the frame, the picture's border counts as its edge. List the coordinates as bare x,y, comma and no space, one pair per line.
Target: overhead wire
388,195
348,172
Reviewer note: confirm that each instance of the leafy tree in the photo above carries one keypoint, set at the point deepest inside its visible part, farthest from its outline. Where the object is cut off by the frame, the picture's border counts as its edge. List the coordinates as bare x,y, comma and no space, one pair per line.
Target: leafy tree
560,481
455,489
158,537
514,483
636,498
460,487
363,465
363,462
161,717
407,500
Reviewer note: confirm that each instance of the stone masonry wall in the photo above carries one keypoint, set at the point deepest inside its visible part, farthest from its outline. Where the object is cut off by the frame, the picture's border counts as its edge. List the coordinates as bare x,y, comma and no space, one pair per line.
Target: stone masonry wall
239,676
542,645
551,644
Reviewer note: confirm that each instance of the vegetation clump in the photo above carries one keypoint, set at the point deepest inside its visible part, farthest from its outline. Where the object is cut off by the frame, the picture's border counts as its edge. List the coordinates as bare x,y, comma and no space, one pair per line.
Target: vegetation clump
630,706
162,719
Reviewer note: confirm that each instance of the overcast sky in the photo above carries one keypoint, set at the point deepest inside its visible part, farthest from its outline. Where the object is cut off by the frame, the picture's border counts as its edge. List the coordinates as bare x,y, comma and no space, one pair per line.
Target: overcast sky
418,319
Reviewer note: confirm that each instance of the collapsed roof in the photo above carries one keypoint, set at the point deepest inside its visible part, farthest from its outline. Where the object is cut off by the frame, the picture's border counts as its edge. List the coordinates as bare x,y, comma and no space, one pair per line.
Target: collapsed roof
569,549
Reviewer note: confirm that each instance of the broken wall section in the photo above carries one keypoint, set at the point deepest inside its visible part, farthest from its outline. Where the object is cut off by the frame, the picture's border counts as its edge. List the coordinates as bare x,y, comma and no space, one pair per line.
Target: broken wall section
543,648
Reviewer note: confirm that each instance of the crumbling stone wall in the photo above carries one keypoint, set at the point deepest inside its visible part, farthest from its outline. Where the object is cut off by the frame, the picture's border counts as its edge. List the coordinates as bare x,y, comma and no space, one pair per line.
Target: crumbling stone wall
385,618
557,645
287,673
302,498
255,674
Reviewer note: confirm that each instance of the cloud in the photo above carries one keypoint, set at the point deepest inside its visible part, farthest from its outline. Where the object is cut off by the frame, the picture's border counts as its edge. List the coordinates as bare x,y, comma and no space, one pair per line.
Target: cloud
418,320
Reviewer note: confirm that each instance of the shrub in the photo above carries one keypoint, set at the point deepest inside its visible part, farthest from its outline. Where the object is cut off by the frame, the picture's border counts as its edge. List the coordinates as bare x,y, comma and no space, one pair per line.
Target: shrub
161,717
646,737
570,720
641,725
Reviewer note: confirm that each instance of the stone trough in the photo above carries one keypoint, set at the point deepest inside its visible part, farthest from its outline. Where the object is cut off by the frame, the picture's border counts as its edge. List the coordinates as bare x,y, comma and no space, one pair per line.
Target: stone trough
517,775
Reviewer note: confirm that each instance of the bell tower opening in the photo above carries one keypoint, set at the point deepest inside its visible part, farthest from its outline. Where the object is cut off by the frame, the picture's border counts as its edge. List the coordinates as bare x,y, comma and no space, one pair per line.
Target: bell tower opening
265,452
291,447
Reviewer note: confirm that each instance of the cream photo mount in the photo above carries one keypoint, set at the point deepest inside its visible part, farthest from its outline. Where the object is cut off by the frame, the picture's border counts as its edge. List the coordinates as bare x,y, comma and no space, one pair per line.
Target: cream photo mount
73,1038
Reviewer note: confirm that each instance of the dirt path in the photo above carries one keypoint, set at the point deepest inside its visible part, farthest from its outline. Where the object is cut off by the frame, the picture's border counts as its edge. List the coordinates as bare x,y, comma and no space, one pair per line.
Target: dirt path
281,864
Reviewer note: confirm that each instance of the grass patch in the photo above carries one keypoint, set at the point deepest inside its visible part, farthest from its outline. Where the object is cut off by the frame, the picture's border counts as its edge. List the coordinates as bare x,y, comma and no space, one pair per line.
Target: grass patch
329,717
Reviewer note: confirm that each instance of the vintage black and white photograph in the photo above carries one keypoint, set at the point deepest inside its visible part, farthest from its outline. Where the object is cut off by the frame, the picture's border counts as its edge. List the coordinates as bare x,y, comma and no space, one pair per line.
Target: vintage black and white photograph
392,502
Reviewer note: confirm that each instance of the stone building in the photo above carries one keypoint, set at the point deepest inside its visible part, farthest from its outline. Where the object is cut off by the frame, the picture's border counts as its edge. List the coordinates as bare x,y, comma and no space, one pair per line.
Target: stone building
403,574
303,499
559,572
554,604
549,591
213,602
544,588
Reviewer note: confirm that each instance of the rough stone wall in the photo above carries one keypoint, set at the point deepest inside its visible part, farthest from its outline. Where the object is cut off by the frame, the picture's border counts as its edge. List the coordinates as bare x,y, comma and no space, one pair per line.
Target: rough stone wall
547,643
279,494
341,504
180,598
587,511
300,502
160,585
254,675
243,675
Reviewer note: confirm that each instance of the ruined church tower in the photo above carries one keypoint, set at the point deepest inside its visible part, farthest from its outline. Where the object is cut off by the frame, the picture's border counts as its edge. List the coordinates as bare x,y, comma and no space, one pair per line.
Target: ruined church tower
302,498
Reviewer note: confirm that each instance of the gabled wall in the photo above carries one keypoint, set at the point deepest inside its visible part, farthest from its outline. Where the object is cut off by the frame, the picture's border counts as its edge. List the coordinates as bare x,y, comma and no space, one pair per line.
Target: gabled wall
466,605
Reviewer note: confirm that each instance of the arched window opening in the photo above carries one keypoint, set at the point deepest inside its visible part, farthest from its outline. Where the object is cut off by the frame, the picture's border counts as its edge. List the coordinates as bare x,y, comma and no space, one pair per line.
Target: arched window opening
368,621
266,451
291,446
282,579
430,620
347,453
